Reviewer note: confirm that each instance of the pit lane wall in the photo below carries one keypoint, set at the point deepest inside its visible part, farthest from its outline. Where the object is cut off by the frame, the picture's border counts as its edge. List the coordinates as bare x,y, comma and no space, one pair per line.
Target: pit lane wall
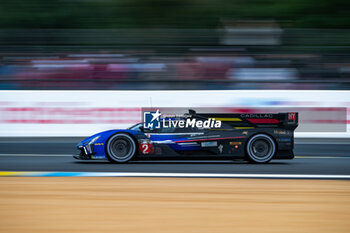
322,114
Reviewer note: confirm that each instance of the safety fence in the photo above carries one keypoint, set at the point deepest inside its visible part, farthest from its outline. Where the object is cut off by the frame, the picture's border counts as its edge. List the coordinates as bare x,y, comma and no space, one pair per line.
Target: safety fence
322,114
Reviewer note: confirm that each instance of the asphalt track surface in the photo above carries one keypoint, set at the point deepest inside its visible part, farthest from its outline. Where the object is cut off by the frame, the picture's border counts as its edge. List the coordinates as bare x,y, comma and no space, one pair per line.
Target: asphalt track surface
326,157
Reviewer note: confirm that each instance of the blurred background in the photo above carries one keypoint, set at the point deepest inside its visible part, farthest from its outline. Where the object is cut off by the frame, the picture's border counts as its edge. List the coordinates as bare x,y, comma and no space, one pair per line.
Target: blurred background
237,50
174,44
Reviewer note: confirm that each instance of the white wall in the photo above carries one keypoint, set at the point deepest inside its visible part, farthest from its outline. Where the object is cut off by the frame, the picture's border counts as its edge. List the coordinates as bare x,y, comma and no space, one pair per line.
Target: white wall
82,113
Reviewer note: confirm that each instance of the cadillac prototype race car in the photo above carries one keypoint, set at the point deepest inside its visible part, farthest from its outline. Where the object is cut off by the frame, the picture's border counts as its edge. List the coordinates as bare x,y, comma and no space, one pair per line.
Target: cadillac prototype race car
257,138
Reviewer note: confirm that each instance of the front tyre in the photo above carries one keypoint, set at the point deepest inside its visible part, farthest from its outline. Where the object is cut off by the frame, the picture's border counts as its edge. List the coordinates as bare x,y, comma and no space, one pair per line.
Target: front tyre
260,148
120,148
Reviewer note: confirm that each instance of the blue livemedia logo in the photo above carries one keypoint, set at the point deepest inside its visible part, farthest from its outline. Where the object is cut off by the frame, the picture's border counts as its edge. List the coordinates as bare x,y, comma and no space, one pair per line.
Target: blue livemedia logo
151,120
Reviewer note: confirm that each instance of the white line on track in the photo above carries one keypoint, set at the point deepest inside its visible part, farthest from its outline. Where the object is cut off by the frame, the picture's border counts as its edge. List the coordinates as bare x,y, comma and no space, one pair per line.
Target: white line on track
180,175
322,157
210,175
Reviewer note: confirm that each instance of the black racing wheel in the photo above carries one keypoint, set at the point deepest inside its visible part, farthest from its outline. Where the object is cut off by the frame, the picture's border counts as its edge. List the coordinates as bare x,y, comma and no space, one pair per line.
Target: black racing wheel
120,148
260,148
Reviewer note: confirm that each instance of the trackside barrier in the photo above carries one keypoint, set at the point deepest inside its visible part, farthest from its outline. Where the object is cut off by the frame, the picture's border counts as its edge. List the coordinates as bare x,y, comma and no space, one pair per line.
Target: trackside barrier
323,114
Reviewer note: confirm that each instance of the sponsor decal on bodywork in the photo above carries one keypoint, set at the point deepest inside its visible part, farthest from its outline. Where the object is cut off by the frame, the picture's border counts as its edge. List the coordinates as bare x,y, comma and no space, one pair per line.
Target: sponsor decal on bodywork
284,139
209,144
292,116
98,144
220,147
155,120
282,132
235,143
256,115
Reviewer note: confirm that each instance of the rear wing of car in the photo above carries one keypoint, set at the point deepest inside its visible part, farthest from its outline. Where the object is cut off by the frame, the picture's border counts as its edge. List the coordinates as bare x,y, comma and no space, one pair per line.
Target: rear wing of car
288,120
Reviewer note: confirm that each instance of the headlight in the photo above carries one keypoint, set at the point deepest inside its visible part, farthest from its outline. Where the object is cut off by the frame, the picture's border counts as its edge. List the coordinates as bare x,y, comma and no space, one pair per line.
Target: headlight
94,140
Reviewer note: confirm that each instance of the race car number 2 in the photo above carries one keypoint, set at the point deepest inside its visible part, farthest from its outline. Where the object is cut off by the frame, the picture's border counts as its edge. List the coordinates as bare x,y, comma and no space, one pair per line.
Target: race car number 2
146,148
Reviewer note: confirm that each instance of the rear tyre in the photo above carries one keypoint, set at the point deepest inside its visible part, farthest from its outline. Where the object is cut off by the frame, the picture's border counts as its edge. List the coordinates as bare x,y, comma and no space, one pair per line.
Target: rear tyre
120,148
260,148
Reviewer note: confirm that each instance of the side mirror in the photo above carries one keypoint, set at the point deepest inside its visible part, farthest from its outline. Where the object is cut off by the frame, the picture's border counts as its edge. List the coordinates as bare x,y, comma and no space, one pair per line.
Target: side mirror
191,112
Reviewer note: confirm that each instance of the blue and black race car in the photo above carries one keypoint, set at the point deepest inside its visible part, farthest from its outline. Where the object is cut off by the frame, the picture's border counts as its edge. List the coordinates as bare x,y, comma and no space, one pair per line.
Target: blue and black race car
257,138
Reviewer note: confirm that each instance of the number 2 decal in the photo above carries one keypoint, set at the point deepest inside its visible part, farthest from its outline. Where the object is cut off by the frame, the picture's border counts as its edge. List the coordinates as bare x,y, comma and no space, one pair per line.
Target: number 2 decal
145,148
